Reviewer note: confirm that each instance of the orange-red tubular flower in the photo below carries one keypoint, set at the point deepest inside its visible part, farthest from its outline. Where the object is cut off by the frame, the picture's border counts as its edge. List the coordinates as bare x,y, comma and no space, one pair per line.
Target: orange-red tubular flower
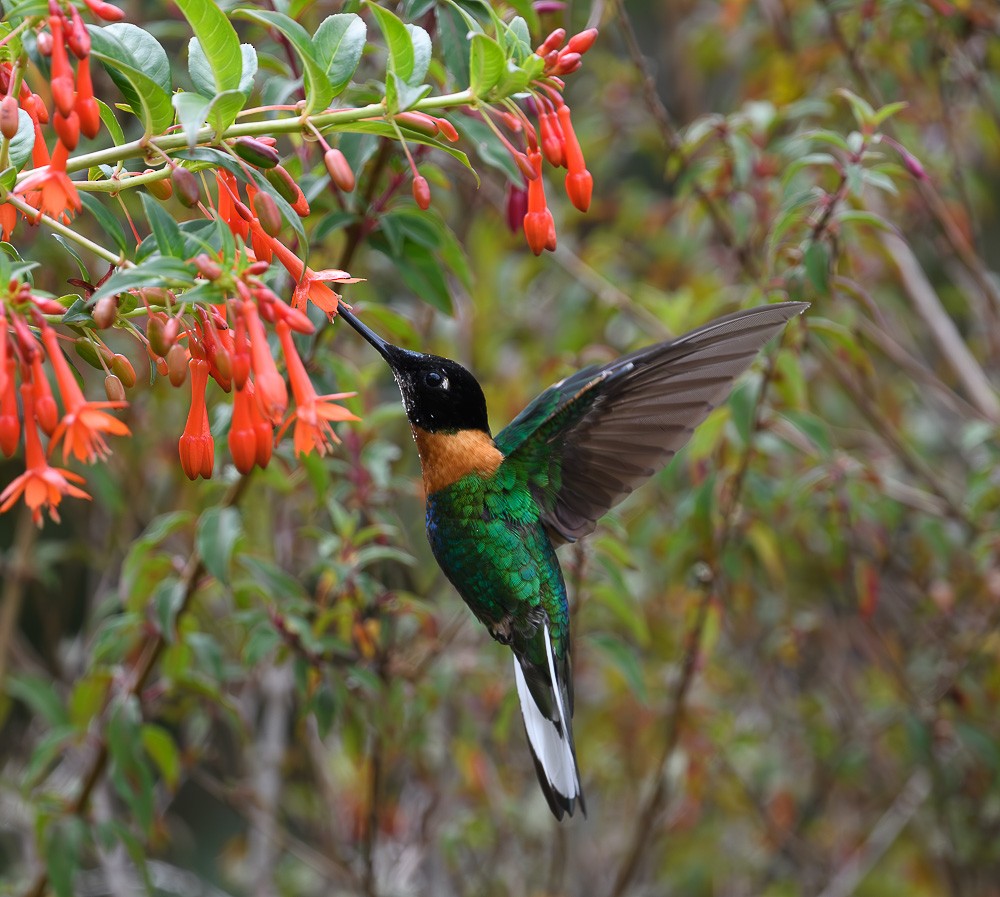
84,422
49,189
196,446
272,394
10,423
242,437
579,183
539,226
313,413
41,485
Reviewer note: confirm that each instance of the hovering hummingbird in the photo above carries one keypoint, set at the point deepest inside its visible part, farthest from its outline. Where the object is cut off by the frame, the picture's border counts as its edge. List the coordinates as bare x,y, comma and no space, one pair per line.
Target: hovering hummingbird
497,508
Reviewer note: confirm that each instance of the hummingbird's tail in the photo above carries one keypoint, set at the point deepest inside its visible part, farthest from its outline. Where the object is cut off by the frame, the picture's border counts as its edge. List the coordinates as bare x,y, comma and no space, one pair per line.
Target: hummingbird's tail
547,713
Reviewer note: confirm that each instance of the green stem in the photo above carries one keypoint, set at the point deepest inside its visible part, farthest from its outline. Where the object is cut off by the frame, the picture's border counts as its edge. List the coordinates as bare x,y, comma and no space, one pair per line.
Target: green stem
257,129
117,184
67,232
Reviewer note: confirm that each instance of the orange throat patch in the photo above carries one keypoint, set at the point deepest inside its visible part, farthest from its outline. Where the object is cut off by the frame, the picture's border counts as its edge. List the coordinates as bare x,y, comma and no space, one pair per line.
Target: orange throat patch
447,457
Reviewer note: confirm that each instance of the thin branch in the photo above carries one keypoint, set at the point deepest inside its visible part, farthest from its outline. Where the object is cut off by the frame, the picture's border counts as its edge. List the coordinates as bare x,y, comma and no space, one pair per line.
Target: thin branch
882,837
149,656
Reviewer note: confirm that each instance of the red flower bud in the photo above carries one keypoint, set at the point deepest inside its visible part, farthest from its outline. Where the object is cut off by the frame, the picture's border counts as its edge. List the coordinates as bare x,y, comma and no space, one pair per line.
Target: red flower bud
186,187
177,364
552,42
267,213
122,368
567,63
105,10
579,183
105,312
517,207
114,389
161,188
242,437
68,128
339,169
10,422
78,38
8,117
447,130
45,404
420,122
256,152
422,192
196,446
582,42
86,106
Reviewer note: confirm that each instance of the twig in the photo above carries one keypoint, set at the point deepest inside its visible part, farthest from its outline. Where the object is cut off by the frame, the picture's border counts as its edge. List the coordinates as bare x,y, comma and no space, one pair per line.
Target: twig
642,831
881,838
942,329
664,122
143,669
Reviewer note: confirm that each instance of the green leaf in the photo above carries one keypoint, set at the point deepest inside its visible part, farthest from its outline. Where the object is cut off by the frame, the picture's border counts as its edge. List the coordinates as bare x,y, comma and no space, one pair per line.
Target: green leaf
862,110
487,64
272,580
453,39
218,46
816,261
40,695
140,68
163,752
64,840
166,600
111,123
165,229
20,147
397,39
315,82
218,530
155,272
422,272
109,224
339,42
421,41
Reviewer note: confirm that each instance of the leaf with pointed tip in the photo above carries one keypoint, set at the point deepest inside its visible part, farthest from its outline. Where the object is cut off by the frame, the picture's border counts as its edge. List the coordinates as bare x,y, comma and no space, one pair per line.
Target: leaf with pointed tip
218,47
140,68
315,82
339,42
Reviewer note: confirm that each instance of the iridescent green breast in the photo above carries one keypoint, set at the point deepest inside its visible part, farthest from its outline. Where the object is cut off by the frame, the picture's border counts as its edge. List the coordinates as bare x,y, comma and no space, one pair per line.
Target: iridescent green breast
486,533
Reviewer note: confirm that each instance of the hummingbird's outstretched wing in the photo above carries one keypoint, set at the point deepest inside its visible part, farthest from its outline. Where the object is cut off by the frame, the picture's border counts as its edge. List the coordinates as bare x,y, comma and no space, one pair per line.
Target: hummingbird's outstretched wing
589,440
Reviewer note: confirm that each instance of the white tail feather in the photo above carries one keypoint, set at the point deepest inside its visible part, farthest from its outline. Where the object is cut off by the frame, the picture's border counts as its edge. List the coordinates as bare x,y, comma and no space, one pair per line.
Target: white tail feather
550,743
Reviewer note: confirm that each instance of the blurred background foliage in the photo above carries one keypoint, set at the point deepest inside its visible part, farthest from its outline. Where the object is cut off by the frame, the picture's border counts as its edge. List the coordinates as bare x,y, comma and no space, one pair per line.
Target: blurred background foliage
786,654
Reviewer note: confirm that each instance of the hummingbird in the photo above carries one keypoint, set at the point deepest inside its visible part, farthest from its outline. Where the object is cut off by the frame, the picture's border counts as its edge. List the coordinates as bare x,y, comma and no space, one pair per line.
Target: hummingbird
498,507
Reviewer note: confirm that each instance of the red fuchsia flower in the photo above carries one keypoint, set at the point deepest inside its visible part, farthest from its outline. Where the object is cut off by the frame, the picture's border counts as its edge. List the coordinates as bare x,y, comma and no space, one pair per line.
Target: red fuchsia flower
242,436
310,286
313,413
8,219
10,423
41,485
579,183
196,446
539,226
272,394
84,422
50,190
46,409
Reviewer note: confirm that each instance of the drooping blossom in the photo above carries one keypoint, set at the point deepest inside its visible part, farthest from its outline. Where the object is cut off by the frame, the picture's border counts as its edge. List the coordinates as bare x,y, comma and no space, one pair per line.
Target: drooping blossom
41,485
83,423
313,413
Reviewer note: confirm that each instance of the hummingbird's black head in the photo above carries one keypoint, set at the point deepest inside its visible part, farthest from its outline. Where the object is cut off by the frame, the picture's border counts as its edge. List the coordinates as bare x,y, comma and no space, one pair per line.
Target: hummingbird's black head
439,395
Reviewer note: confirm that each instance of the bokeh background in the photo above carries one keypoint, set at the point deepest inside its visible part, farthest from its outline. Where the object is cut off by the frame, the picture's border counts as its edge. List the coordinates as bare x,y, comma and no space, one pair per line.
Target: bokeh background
785,645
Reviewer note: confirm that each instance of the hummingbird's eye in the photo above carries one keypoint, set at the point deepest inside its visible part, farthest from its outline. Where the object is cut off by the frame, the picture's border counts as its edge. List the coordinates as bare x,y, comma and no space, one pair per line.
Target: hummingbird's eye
436,380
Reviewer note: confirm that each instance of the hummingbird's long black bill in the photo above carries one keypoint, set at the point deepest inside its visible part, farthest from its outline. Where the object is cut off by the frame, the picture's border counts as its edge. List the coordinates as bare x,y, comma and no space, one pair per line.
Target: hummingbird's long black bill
384,348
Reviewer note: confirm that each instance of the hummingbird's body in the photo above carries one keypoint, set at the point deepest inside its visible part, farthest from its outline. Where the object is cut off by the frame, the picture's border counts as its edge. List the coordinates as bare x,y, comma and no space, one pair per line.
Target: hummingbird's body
497,509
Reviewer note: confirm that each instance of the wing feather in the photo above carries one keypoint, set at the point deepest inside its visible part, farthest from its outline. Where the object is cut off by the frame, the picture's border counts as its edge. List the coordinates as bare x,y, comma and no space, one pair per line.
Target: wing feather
603,431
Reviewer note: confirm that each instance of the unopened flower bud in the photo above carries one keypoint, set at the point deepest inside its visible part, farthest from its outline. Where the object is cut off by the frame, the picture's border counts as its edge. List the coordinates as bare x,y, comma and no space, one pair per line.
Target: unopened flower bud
160,188
186,187
422,192
419,122
552,42
44,43
105,312
447,130
177,364
113,389
266,210
8,117
256,152
582,42
207,267
88,350
122,368
339,169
